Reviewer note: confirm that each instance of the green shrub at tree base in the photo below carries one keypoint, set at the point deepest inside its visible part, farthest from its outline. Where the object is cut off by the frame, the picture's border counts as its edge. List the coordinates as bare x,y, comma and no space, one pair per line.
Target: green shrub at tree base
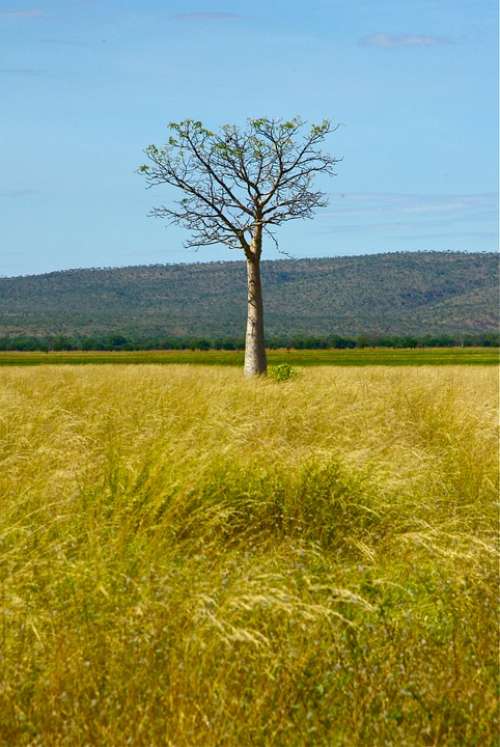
282,372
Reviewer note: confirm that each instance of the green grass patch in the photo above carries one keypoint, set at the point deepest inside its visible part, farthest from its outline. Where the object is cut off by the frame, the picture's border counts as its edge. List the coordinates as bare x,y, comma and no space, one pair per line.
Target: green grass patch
360,357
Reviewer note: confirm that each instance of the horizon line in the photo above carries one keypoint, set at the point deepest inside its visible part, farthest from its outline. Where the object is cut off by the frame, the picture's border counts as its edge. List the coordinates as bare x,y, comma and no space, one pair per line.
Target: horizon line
107,268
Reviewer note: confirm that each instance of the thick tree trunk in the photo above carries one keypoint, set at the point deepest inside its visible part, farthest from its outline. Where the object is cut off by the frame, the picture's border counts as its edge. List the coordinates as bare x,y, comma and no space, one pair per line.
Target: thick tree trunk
255,351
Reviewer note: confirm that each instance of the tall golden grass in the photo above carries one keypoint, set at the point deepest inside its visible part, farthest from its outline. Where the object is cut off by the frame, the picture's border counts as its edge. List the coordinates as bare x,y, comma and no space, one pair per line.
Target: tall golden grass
188,558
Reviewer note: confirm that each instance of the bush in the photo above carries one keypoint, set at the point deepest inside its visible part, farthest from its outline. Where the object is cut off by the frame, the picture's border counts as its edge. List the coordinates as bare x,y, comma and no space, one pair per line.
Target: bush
282,372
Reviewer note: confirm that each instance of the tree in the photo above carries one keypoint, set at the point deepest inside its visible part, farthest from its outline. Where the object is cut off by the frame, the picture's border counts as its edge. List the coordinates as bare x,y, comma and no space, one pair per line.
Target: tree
237,186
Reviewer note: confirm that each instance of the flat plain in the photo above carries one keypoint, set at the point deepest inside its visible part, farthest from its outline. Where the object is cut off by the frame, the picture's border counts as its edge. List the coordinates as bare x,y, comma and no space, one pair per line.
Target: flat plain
188,558
330,357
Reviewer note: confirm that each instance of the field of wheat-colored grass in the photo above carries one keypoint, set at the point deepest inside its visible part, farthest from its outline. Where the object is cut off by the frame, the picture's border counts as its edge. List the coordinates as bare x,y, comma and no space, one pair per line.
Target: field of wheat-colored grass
191,559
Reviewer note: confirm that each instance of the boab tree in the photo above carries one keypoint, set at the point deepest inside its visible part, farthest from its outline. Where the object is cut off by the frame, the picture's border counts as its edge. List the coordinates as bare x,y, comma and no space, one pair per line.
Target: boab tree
237,186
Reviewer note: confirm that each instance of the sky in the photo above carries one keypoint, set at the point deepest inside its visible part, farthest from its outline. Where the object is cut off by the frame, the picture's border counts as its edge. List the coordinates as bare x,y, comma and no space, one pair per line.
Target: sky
86,85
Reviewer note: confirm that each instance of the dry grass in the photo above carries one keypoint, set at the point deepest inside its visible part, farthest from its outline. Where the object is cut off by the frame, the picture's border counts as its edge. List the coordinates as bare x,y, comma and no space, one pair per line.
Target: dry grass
190,559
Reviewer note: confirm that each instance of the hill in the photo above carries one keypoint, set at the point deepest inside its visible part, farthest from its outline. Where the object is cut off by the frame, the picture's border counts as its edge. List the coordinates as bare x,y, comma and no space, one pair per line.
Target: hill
413,293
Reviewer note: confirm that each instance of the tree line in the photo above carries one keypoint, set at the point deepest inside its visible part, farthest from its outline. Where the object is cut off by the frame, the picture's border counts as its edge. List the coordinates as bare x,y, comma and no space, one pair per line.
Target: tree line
117,342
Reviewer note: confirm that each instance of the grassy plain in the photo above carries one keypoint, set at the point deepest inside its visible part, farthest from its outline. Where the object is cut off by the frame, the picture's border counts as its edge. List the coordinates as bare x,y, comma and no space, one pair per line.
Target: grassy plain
356,357
188,558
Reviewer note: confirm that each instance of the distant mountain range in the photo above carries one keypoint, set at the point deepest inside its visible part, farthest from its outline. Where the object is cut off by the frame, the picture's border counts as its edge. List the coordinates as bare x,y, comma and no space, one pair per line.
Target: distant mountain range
414,293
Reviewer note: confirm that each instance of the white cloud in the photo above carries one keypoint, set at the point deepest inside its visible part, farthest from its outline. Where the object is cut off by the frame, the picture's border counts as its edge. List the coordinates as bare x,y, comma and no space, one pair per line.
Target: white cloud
15,193
419,215
19,71
31,13
207,16
389,41
375,203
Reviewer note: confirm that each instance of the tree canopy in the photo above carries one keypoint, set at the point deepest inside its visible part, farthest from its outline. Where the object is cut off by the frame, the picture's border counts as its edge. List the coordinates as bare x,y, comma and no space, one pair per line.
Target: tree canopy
234,179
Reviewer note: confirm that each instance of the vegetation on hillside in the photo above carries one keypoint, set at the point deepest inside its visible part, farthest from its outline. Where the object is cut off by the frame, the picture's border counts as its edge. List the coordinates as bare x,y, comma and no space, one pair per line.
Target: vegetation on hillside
384,295
188,558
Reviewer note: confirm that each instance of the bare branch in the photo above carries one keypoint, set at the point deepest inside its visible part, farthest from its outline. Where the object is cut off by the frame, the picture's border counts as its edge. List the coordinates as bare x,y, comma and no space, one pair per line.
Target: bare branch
236,184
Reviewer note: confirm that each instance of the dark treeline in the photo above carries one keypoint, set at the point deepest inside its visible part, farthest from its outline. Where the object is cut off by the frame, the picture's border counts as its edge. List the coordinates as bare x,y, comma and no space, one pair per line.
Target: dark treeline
297,342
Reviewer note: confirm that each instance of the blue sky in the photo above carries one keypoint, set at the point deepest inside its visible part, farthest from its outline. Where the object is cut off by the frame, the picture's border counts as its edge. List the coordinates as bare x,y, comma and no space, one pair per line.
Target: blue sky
85,85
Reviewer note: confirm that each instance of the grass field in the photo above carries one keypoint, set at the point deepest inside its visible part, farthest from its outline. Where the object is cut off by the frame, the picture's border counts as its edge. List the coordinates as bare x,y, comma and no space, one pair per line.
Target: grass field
191,559
359,357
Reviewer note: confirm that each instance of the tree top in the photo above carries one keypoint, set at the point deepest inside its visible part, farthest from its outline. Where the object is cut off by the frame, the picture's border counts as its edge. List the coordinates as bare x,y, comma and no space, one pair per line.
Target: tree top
239,180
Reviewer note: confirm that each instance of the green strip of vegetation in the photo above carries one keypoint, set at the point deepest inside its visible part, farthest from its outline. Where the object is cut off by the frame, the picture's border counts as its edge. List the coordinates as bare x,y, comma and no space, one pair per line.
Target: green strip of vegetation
139,343
356,357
